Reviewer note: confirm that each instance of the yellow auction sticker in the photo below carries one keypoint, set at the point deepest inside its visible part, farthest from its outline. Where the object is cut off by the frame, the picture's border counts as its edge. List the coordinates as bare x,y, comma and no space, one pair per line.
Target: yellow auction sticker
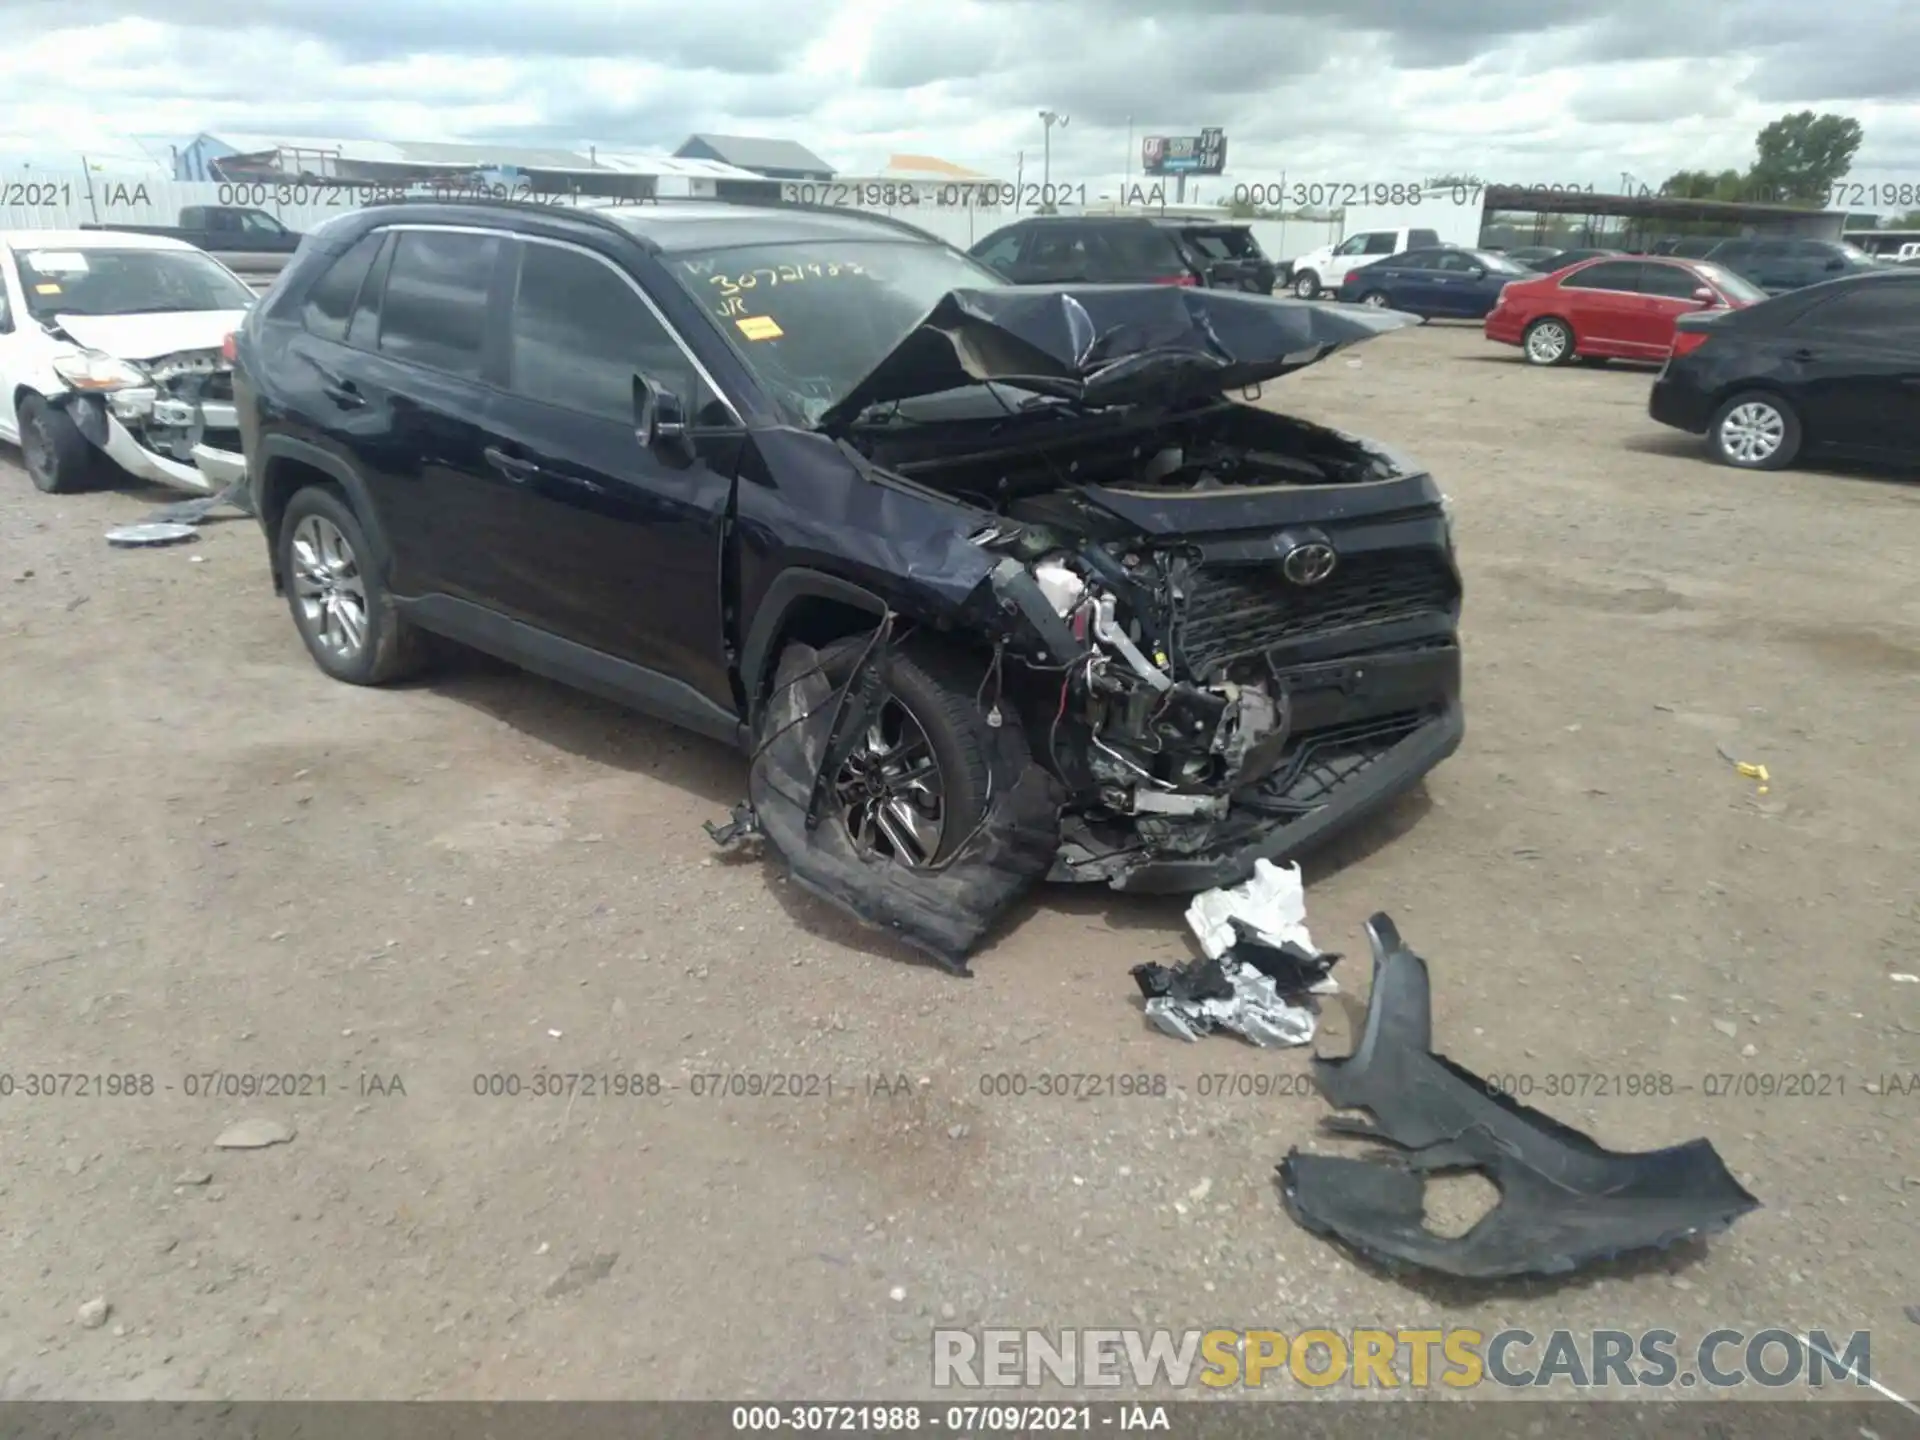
759,327
46,289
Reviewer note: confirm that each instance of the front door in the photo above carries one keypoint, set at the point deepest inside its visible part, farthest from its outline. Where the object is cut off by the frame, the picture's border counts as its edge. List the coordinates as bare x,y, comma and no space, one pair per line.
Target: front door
615,547
1857,358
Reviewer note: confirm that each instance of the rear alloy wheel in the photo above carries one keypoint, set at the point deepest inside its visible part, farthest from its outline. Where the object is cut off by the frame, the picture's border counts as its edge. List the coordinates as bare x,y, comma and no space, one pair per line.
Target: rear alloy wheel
1375,299
1306,285
1756,432
1547,342
916,785
340,605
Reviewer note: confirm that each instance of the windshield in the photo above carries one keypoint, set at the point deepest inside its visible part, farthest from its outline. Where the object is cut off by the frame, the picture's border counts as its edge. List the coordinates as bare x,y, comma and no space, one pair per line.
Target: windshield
1730,284
126,282
812,318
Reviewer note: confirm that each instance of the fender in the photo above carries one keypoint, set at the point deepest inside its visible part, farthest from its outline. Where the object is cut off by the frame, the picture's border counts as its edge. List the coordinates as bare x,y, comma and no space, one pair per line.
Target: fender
789,589
270,501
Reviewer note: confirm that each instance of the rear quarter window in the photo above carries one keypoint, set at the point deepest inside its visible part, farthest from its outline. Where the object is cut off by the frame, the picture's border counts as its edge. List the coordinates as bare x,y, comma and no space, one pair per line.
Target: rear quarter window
1420,239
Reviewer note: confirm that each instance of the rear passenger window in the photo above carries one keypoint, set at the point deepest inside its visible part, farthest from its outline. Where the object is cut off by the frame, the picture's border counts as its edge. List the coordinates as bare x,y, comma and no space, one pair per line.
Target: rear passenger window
329,302
1381,244
1886,311
434,311
580,332
1614,275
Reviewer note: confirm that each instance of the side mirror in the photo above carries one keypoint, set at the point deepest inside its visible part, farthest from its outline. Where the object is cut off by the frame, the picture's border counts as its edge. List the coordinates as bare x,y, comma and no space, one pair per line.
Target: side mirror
1704,295
1477,272
1836,263
659,418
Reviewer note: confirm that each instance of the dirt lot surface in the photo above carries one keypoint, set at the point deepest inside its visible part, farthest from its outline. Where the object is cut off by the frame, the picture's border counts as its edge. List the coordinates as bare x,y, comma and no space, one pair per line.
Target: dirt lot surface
216,860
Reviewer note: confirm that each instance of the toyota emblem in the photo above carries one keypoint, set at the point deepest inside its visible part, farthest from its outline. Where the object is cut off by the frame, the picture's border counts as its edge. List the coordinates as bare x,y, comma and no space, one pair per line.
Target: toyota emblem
1309,564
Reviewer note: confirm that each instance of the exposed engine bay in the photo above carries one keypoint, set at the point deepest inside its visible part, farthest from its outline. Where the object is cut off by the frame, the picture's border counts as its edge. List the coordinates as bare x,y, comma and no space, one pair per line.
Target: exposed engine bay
1161,691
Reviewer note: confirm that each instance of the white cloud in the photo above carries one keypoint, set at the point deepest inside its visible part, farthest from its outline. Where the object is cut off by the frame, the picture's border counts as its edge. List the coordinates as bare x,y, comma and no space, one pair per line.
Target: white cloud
1329,90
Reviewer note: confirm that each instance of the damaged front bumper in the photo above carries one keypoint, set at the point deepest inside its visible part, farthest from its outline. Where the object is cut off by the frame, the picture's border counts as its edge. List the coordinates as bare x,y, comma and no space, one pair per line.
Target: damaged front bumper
1330,778
182,430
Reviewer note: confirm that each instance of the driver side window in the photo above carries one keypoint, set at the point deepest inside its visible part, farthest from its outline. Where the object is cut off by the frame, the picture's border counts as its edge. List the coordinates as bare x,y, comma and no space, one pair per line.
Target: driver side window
1003,251
580,331
1353,245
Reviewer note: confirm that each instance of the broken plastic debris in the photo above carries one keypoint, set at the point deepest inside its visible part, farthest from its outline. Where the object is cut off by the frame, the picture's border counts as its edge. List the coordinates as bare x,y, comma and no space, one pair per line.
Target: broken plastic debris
742,827
1205,995
1565,1201
192,512
1272,904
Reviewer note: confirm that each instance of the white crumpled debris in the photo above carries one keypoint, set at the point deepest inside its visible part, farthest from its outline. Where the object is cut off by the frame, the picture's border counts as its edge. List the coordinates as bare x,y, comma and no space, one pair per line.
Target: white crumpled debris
1273,903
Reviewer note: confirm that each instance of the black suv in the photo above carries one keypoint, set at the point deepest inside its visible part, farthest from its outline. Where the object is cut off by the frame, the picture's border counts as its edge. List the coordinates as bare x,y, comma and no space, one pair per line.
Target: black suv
993,584
1127,250
1777,266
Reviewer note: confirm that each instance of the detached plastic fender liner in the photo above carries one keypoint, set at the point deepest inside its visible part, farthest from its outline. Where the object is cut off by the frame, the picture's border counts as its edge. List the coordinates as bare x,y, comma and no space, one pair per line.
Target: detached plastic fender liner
945,910
1565,1200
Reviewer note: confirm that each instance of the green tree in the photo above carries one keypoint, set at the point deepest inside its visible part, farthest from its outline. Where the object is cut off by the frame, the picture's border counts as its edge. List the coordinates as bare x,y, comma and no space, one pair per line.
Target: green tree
1704,185
1803,156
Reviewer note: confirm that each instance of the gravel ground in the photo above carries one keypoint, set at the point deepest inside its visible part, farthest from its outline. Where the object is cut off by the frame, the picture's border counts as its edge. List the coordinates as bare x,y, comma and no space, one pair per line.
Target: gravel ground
214,859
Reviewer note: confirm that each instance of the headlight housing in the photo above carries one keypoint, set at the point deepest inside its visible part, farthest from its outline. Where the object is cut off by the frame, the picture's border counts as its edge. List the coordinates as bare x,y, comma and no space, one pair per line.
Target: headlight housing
96,371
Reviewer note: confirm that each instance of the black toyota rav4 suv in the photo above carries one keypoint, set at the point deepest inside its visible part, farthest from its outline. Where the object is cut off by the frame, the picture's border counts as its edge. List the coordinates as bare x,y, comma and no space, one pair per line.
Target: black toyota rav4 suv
992,583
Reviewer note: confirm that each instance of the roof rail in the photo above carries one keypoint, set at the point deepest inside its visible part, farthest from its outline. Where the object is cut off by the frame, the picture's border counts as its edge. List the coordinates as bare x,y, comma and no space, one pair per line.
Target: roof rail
572,205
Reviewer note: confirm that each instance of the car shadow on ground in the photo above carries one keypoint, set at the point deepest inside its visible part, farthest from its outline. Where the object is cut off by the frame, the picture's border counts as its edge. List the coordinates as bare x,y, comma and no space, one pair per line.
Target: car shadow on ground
607,734
599,731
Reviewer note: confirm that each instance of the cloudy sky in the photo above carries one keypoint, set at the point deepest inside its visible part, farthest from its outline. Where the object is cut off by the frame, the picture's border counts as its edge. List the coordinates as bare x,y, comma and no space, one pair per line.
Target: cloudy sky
1334,90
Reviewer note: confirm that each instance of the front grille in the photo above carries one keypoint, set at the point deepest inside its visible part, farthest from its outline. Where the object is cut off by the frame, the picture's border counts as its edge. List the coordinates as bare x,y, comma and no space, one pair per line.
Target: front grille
1236,611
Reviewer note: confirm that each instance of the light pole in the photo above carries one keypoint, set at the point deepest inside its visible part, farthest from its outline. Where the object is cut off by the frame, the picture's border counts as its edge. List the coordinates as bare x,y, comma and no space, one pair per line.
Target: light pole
1129,147
1048,119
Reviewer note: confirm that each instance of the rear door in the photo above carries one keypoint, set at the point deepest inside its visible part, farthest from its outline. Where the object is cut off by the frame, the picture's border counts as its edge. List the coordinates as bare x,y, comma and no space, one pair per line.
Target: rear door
425,353
614,546
1602,302
1857,358
1408,280
1130,253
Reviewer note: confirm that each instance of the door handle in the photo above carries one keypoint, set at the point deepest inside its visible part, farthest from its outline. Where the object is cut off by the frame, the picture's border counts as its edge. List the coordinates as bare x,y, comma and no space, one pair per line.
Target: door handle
512,466
343,393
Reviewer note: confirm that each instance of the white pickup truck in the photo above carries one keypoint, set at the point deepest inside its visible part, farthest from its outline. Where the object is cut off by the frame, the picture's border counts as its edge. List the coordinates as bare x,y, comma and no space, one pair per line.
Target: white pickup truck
1327,267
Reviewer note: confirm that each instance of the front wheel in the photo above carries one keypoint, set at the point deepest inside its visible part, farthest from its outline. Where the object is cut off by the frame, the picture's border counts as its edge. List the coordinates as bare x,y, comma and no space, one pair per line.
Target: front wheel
1756,431
1306,285
59,459
916,785
1548,342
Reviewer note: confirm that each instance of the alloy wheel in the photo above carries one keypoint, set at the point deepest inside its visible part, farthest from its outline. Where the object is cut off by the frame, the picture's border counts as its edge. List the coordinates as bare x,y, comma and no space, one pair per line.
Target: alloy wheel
329,588
890,790
1374,299
36,448
1752,432
1546,344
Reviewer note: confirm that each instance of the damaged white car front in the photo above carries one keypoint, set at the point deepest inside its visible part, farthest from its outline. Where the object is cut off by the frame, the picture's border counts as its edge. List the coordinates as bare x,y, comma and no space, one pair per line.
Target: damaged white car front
115,346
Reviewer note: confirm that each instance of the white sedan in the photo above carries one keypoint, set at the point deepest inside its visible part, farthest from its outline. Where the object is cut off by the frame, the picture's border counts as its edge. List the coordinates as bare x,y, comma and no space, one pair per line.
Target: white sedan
111,348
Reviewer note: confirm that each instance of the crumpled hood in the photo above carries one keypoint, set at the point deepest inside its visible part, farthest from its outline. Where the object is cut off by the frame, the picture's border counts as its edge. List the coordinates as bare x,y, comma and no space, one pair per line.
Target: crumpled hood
148,337
1109,344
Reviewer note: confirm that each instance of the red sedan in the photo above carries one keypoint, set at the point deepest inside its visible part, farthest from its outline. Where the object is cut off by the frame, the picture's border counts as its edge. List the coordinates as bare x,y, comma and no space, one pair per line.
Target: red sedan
1617,307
